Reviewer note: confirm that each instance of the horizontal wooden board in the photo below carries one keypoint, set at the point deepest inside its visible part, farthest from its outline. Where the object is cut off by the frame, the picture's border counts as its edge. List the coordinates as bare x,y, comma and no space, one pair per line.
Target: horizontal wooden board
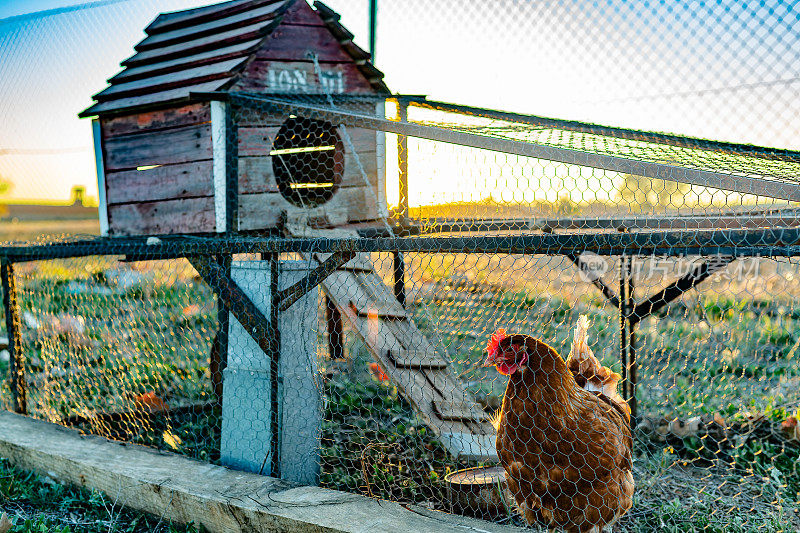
185,180
256,173
192,215
292,43
455,410
416,359
177,96
378,310
178,145
213,498
201,44
182,63
188,33
190,76
186,115
301,77
187,17
263,210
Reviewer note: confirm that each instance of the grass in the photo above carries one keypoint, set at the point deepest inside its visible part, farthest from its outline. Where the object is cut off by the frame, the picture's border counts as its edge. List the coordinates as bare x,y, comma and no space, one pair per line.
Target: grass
36,504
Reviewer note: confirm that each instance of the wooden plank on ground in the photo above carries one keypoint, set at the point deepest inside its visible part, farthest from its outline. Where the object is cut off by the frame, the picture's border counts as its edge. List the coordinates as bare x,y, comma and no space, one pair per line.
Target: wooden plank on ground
213,497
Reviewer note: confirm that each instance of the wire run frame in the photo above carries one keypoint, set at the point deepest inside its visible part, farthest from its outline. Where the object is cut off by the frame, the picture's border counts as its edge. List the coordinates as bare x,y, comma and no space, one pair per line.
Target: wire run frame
211,257
745,169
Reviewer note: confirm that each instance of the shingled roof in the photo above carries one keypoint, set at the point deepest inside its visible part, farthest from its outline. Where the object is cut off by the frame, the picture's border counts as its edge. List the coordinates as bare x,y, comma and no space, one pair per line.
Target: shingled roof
207,49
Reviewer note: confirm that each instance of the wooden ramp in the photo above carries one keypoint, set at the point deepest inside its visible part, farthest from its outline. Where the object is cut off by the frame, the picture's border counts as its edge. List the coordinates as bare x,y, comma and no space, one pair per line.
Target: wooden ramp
410,360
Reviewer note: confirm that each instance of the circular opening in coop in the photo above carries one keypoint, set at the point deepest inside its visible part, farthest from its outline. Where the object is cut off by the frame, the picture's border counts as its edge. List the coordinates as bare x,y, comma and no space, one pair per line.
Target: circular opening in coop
308,161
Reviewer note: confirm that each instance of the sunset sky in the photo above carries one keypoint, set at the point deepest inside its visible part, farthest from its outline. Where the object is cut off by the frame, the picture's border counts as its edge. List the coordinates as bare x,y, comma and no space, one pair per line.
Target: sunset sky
727,70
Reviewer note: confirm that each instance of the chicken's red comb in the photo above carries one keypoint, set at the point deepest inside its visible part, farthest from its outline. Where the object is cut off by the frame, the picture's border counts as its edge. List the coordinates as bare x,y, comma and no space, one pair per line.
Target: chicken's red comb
494,342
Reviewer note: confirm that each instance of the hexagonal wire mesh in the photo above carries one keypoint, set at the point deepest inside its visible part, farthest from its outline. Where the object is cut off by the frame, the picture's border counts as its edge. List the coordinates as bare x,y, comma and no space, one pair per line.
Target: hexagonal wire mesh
374,379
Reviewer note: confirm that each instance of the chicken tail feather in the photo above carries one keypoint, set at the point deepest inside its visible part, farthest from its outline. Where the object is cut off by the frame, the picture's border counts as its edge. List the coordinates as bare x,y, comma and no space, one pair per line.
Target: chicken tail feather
587,370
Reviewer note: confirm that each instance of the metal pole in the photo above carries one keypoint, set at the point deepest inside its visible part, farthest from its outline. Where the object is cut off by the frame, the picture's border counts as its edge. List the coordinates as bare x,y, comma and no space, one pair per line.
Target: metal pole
16,370
275,366
623,319
629,320
400,278
219,352
373,27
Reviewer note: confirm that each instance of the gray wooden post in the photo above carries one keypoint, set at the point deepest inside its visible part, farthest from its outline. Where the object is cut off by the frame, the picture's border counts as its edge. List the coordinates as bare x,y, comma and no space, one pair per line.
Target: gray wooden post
249,402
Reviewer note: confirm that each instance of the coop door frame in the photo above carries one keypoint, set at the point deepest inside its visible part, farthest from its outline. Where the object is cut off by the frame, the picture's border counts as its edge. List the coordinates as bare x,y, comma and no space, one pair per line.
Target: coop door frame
102,202
225,167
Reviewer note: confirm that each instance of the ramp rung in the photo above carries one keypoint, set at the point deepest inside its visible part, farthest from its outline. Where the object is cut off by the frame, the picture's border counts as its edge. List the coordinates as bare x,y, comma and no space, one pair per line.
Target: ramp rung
459,411
379,309
415,359
360,263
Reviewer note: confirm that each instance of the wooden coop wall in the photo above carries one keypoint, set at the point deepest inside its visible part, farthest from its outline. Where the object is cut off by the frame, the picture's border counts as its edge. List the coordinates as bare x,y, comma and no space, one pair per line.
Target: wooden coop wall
177,195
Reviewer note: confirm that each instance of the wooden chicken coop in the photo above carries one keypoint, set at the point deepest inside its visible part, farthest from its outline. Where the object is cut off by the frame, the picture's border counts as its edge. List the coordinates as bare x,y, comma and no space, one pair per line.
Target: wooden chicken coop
175,155
163,150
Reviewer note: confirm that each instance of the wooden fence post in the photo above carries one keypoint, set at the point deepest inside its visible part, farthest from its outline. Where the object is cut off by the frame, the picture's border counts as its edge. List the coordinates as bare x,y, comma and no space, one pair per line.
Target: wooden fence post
17,361
402,164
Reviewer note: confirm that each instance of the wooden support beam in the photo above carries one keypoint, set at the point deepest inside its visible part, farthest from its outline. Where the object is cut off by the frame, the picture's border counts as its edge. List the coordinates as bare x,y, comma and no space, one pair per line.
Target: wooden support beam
698,274
236,301
215,498
16,369
289,295
607,291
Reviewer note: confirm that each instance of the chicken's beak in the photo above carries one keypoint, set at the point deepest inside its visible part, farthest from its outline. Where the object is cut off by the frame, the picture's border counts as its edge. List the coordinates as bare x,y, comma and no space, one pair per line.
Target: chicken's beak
491,360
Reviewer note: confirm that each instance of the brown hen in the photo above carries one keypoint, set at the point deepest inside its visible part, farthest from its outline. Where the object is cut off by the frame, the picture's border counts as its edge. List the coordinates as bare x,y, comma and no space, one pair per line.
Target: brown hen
563,434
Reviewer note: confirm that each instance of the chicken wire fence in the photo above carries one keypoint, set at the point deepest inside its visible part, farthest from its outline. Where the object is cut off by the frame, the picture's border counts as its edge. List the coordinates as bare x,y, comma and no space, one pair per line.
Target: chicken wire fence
681,252
365,357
